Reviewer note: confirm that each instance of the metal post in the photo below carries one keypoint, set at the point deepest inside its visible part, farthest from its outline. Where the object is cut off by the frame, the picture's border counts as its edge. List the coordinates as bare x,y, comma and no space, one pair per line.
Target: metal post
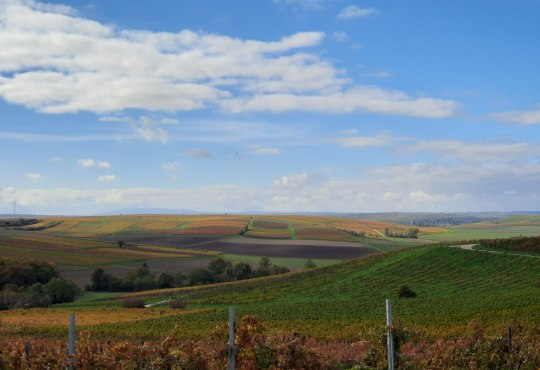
389,339
232,351
27,350
71,347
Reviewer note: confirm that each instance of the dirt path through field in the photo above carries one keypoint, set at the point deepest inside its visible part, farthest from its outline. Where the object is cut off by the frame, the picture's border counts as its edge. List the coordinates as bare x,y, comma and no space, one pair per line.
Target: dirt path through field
381,234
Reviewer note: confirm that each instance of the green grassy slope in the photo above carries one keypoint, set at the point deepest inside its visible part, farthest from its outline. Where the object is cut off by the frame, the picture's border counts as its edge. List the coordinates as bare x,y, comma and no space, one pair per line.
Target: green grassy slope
507,227
346,301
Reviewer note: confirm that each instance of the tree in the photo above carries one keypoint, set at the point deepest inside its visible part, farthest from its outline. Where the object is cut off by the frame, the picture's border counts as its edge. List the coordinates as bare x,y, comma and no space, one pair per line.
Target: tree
280,270
97,281
242,270
61,290
309,264
265,267
413,233
181,279
217,265
264,263
25,273
102,281
405,292
121,244
36,297
165,280
201,276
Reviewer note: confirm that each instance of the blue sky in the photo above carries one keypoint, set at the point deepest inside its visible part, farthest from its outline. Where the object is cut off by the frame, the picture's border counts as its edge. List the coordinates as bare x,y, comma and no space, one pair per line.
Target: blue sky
273,106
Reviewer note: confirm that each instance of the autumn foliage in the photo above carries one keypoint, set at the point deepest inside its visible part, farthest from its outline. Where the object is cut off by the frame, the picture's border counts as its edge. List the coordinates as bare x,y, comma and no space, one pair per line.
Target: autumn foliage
258,349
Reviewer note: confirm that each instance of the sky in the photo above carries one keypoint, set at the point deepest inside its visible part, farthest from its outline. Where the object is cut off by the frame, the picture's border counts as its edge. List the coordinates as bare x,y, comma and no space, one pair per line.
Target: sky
269,105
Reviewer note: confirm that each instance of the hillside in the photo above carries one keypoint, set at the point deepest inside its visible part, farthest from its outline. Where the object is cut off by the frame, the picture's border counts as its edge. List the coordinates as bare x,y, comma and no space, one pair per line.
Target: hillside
346,301
517,225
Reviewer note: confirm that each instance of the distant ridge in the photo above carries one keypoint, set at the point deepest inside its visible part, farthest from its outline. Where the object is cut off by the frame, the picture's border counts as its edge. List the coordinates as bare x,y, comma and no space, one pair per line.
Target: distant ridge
411,218
151,211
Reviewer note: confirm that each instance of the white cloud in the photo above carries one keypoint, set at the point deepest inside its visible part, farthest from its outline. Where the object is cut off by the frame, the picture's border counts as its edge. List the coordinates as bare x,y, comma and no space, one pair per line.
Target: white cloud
378,74
146,128
297,181
415,187
54,61
199,153
33,176
531,117
353,11
153,134
52,138
479,152
351,131
366,98
340,36
303,4
262,150
171,167
356,141
108,178
92,163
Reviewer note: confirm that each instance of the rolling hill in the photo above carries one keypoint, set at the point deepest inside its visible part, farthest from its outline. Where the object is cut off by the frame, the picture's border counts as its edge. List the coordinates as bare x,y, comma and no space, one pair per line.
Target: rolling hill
346,301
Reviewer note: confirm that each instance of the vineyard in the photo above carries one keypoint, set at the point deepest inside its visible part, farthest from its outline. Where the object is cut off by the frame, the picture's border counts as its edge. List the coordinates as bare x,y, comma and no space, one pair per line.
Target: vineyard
256,348
345,302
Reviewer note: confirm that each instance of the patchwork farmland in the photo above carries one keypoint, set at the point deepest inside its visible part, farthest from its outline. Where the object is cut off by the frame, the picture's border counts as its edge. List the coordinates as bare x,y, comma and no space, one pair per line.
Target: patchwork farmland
340,305
181,242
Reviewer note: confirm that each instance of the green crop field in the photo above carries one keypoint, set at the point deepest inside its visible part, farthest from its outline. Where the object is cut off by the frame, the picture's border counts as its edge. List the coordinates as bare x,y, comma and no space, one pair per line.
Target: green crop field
346,301
504,228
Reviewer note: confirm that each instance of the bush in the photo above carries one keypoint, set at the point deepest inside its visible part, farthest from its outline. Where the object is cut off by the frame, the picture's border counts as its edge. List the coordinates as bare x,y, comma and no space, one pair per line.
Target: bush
133,303
61,290
25,273
201,275
405,292
178,304
242,270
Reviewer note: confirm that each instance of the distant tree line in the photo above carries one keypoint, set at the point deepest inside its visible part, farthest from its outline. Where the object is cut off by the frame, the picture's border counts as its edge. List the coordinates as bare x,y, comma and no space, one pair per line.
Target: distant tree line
246,228
357,234
41,227
18,222
32,283
217,271
410,233
521,243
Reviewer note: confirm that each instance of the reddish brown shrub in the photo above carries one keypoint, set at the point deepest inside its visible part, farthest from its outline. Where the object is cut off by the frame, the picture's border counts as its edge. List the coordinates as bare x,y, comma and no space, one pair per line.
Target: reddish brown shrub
133,303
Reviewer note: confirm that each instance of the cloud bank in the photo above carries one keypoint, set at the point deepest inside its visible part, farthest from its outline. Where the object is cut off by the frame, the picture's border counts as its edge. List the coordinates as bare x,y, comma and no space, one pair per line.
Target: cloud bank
54,61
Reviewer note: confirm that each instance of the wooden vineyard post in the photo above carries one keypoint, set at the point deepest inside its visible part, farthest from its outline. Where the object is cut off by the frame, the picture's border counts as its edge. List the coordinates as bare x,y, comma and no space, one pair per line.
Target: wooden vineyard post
71,347
232,350
510,337
389,338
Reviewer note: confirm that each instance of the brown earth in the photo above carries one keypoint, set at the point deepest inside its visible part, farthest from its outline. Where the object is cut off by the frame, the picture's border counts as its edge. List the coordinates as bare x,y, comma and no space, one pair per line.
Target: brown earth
257,247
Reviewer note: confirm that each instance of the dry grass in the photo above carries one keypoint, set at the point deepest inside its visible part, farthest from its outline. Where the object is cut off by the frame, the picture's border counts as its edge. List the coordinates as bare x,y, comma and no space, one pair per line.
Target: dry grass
86,316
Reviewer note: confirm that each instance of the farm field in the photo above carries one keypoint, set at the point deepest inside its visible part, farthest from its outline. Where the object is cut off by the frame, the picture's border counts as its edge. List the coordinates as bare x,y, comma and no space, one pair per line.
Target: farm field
504,228
171,243
346,301
77,257
97,227
282,226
